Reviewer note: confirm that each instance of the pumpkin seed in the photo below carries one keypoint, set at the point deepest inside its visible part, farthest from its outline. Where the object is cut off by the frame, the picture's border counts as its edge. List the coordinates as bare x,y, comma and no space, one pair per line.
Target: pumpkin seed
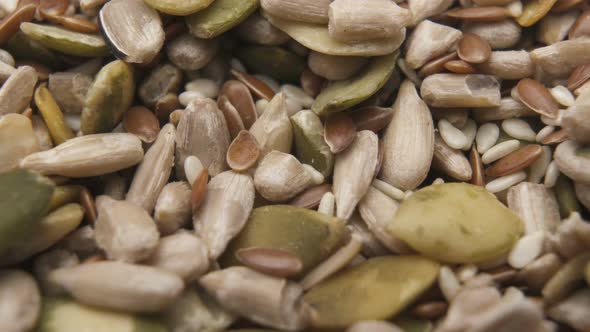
447,222
108,98
52,115
342,95
533,11
336,299
309,235
273,61
66,41
219,17
179,8
310,146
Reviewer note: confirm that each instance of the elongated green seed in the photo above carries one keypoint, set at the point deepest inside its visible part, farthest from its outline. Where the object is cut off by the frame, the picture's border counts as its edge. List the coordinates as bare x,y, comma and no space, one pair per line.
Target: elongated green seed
66,41
220,16
52,115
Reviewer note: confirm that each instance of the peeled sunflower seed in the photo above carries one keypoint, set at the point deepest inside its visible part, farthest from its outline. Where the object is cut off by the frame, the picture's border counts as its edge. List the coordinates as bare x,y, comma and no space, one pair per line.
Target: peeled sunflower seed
428,41
273,129
354,171
454,214
342,95
17,140
561,58
422,9
310,144
182,254
576,122
108,98
20,302
510,65
202,132
450,161
567,278
57,315
130,241
27,196
89,155
173,207
17,91
375,19
298,10
576,167
410,134
308,235
317,38
66,41
217,19
450,90
132,29
261,298
120,286
367,282
225,210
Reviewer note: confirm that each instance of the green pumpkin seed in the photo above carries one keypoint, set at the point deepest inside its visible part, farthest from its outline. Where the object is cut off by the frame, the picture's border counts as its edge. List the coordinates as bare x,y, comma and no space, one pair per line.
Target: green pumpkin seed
220,16
413,325
65,315
273,61
456,223
307,234
342,95
66,41
25,199
566,196
44,234
179,7
23,47
52,115
63,195
108,98
384,285
310,146
317,38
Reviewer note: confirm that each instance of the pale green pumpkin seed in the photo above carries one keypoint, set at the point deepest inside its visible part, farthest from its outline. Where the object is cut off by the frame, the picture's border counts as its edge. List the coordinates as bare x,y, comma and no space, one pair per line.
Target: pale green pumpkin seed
220,16
310,146
341,95
179,7
66,41
456,223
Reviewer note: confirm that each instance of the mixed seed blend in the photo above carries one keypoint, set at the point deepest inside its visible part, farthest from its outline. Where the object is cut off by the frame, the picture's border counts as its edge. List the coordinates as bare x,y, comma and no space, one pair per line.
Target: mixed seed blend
294,165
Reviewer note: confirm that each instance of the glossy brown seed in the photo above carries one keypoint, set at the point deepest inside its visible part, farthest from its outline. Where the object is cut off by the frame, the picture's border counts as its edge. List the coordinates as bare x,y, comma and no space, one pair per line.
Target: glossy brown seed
459,67
53,7
232,117
502,274
77,24
536,97
473,49
564,5
199,189
372,118
87,202
478,177
11,23
578,77
258,88
275,262
311,83
243,152
174,30
556,137
480,14
141,122
436,65
581,27
515,161
339,132
429,310
166,105
240,97
310,198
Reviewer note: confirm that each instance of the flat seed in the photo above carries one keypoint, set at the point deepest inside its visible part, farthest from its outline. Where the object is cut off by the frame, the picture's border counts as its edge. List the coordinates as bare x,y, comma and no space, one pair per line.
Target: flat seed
526,250
519,129
564,5
199,189
275,262
310,146
451,135
239,96
339,132
487,136
87,203
66,41
216,18
53,7
232,117
515,161
582,26
372,118
311,198
505,182
578,77
311,83
536,96
480,14
478,177
473,49
259,88
243,152
429,310
533,11
459,67
436,65
179,8
52,116
141,122
10,24
166,105
556,137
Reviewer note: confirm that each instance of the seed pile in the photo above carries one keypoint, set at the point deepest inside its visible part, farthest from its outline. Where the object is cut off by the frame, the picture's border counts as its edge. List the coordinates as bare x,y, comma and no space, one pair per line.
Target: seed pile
294,165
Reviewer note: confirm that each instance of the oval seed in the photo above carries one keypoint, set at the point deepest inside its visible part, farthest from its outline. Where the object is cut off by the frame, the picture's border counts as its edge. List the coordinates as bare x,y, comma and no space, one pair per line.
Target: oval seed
259,88
10,24
52,116
199,189
275,262
515,161
533,11
473,49
141,122
505,182
66,41
243,152
311,198
480,14
578,77
536,96
339,132
459,67
478,177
